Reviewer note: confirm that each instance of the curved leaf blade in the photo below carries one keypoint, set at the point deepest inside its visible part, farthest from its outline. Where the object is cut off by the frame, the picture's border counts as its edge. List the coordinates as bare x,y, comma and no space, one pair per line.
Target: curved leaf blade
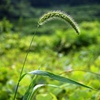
58,78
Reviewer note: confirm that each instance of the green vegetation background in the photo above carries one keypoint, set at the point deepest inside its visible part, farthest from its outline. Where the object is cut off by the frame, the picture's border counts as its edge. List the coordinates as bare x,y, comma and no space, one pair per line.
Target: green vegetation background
56,48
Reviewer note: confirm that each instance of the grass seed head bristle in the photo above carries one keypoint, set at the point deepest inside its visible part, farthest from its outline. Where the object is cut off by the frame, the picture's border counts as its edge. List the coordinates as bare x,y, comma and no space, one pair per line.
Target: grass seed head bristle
60,15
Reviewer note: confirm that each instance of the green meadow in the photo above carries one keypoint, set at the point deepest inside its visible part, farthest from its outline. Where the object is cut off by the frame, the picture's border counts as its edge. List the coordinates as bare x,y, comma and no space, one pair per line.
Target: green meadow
56,48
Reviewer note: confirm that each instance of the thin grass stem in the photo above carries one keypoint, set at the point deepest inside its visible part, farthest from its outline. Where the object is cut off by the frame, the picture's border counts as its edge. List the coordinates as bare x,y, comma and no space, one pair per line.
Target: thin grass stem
24,63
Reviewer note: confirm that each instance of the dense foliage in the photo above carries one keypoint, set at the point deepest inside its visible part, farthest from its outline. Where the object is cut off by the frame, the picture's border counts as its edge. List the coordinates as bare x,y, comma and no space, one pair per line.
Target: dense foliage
14,9
56,48
59,52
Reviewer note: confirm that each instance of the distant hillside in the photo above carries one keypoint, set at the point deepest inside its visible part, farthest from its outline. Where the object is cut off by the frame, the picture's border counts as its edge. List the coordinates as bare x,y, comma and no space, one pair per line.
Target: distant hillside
13,9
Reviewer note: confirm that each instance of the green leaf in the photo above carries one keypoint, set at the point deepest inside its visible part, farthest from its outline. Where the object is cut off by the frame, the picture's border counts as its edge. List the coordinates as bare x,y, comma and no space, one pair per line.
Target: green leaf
58,78
35,88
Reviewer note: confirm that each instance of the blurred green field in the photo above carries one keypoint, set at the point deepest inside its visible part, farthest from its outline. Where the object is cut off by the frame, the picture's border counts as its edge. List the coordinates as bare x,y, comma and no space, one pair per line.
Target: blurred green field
56,48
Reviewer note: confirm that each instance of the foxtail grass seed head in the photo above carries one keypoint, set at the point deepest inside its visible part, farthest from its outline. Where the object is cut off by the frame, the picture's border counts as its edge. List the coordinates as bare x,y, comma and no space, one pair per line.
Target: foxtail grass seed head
58,15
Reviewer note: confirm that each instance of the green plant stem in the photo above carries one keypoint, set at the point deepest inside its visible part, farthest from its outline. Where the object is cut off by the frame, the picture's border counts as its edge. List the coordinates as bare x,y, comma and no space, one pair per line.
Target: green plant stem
24,63
28,93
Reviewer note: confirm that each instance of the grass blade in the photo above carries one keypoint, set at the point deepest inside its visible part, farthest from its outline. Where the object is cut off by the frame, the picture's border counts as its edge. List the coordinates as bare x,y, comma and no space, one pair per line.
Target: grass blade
35,88
58,78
